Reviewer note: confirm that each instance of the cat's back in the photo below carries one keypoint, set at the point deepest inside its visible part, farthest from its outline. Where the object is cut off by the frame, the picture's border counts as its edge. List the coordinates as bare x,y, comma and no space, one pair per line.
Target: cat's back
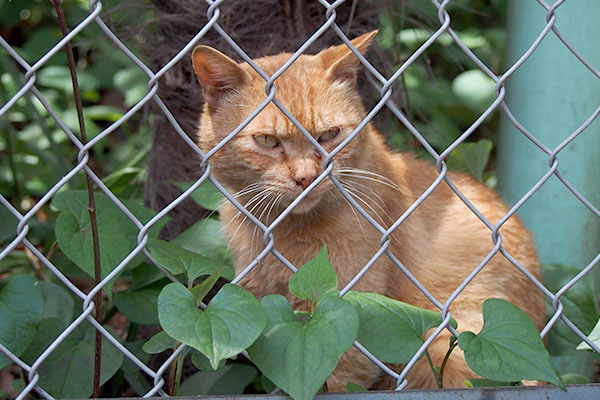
457,236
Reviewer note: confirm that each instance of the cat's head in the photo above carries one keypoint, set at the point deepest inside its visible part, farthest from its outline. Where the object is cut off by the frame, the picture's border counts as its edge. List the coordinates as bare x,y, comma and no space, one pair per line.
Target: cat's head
271,154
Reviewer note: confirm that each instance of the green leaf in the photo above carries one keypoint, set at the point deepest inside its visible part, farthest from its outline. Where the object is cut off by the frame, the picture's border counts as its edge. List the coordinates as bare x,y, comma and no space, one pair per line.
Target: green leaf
315,280
48,331
231,379
69,371
136,347
117,234
574,379
58,303
353,387
201,290
393,331
203,364
159,343
132,373
8,228
103,113
21,309
474,89
471,158
207,195
59,77
299,356
205,237
75,240
230,324
136,82
579,304
140,305
509,347
594,337
441,131
474,382
144,275
178,260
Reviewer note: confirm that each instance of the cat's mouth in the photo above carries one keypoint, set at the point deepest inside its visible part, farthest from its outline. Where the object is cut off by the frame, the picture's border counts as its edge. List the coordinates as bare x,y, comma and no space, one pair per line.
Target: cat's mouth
308,203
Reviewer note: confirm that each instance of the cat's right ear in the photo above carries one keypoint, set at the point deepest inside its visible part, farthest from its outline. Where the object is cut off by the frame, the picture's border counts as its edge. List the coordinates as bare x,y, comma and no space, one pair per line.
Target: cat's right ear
217,73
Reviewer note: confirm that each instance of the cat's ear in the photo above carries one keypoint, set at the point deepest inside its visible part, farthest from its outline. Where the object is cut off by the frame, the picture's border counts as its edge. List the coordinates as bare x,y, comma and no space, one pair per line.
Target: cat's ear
217,73
341,63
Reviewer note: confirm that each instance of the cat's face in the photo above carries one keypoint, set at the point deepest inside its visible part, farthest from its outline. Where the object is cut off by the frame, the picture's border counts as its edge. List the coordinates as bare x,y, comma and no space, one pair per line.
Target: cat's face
270,161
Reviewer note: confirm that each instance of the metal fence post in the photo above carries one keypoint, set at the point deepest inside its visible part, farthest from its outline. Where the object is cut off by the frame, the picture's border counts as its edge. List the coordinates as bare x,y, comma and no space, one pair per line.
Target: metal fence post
552,95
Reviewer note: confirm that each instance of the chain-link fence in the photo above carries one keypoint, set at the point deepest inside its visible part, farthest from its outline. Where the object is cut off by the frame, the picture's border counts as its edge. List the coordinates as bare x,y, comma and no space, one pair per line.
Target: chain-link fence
383,85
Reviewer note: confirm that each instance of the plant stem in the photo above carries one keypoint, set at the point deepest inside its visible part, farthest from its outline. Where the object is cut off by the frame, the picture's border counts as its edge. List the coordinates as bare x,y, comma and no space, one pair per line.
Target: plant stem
435,370
92,201
453,344
172,372
179,371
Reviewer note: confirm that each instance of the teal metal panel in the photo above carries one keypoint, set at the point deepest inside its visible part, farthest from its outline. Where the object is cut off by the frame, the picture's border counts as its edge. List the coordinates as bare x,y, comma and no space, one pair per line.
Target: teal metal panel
551,95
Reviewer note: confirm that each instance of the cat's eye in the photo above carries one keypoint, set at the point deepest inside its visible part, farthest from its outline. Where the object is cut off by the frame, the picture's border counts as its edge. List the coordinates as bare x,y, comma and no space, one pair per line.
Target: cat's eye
329,135
266,141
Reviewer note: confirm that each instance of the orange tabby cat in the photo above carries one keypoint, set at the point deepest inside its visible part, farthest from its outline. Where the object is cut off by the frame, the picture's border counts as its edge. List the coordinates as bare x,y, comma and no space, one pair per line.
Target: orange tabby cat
269,163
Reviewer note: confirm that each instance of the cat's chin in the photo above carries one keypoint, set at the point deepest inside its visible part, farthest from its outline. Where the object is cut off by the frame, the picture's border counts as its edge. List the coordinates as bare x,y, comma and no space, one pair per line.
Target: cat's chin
305,206
308,204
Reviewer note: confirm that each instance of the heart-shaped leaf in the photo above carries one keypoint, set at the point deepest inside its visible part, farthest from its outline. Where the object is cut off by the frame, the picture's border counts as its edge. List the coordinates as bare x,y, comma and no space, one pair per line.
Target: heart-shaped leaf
203,364
178,260
159,343
315,280
230,324
69,371
299,355
206,237
57,302
76,242
393,331
21,308
509,347
117,234
140,305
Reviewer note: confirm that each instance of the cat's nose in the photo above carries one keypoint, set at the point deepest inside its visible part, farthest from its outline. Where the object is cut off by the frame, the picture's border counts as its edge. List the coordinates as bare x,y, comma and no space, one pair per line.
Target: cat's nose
305,180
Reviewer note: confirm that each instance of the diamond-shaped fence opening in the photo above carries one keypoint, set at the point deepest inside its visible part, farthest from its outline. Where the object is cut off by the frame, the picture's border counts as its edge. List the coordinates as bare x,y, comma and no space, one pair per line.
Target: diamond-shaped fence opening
50,288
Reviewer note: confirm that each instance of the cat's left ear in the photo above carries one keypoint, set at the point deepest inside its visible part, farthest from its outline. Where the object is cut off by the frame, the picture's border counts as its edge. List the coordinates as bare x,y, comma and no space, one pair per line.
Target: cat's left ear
340,61
217,73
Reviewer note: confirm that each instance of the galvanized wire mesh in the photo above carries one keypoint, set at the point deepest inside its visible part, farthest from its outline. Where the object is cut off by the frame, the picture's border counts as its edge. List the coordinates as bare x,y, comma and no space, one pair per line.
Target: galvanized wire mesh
381,83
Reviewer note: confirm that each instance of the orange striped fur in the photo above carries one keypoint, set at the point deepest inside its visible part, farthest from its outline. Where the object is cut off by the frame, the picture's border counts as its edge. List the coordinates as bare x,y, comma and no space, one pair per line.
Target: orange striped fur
440,243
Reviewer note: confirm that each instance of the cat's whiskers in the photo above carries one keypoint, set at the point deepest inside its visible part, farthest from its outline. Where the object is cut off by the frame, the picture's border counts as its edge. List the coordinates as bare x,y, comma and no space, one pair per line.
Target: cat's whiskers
336,193
370,176
254,198
268,205
275,205
379,203
258,199
356,194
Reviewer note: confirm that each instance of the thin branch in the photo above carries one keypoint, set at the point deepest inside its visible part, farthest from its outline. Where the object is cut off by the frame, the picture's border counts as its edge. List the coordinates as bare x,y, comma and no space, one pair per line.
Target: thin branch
435,370
453,344
92,201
